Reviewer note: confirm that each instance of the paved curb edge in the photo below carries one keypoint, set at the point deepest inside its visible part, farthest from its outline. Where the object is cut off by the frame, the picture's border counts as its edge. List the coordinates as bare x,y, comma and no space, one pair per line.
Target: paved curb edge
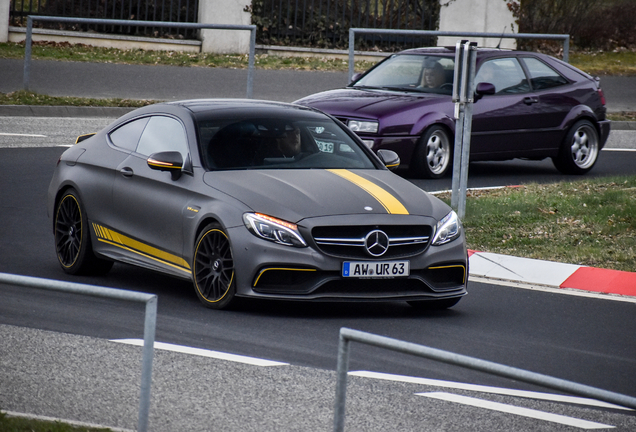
551,274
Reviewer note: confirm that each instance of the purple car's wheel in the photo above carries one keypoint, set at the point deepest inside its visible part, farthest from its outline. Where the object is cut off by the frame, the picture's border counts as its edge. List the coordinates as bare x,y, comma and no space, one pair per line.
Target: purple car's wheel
580,149
433,154
72,239
213,268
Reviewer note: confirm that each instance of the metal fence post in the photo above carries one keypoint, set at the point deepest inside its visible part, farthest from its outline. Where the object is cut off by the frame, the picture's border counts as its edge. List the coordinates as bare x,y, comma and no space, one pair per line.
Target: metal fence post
341,384
349,335
470,60
27,53
146,365
250,63
96,21
150,323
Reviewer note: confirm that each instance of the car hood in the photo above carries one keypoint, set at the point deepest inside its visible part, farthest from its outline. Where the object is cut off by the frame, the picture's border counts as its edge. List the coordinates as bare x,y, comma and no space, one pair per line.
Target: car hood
369,103
294,195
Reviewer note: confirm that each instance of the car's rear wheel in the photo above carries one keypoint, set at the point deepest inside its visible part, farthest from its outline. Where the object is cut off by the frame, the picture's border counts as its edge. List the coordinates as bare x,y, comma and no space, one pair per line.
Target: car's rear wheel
433,153
580,149
73,239
434,304
213,268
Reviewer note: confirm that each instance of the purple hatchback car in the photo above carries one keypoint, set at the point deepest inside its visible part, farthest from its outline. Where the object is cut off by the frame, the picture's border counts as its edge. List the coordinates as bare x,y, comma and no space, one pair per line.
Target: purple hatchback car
527,105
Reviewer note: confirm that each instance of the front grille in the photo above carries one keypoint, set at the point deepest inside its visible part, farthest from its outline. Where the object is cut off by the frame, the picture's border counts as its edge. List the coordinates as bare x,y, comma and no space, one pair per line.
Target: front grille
349,241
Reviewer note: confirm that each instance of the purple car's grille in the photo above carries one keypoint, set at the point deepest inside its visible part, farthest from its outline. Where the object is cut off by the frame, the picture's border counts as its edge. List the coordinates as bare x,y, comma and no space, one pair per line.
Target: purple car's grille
350,241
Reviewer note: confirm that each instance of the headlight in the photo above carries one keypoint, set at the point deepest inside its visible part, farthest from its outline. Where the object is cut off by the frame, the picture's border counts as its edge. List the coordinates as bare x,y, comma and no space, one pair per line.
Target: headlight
363,126
272,229
447,229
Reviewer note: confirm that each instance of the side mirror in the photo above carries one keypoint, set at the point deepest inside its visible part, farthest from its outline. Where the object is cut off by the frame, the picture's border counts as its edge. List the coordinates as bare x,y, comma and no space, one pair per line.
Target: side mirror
170,161
355,76
389,158
483,89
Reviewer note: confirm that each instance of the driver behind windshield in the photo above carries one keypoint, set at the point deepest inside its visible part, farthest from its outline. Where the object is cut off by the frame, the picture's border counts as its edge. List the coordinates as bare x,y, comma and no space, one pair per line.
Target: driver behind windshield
433,75
289,142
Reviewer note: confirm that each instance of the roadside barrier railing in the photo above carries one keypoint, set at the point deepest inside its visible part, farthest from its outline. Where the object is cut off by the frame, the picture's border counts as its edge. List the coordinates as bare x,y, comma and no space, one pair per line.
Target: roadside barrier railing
29,38
353,31
150,322
348,335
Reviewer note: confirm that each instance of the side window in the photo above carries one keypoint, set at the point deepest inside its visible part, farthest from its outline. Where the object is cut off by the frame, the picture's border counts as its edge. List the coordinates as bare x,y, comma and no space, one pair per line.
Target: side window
542,76
127,136
163,134
505,74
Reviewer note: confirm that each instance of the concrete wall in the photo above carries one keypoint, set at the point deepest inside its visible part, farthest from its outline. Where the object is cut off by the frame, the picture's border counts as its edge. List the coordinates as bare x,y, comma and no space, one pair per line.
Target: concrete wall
4,20
224,12
485,16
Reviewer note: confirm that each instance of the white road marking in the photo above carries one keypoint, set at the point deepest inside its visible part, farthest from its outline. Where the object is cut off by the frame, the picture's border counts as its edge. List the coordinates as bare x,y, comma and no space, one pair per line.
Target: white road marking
510,409
487,389
203,353
22,135
620,149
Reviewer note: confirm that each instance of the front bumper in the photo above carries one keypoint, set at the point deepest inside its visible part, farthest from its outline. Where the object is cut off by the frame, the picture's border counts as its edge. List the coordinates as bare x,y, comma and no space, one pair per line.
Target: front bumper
267,270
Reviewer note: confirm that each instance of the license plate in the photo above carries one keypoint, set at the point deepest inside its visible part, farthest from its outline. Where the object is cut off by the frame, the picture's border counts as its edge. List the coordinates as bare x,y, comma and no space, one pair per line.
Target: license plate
375,269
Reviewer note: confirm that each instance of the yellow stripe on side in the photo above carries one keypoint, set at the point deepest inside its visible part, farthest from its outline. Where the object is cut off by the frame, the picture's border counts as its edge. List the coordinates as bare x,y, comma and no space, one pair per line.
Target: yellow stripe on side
388,201
114,238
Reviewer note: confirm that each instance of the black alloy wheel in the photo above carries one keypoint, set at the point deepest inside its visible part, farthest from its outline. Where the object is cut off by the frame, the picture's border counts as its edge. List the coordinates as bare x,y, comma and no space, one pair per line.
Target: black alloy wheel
73,240
213,268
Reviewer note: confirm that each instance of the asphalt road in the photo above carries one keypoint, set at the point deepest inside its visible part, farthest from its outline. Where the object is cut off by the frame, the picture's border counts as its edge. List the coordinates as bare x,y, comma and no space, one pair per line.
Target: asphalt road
587,340
79,79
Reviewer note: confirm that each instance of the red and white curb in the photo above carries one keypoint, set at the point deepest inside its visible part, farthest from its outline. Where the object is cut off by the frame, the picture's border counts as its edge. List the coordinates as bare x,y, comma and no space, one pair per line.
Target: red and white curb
551,274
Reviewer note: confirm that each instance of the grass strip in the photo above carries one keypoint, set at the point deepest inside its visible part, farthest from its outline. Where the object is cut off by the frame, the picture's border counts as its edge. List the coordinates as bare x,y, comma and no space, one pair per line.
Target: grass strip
19,424
588,222
596,63
23,97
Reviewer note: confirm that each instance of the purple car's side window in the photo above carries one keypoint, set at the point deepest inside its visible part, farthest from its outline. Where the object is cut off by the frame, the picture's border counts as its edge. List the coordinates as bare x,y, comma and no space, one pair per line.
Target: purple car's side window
505,74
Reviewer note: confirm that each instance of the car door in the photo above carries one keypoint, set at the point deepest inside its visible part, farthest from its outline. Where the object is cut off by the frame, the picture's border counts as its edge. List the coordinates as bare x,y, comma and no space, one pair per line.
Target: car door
149,203
555,100
505,124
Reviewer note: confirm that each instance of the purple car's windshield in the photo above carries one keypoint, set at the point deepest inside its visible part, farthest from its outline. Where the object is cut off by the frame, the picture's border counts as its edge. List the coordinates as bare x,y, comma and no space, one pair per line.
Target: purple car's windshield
408,72
277,143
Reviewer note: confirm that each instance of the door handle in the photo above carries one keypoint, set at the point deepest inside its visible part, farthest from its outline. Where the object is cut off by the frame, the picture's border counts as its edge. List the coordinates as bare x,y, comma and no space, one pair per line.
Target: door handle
126,172
530,100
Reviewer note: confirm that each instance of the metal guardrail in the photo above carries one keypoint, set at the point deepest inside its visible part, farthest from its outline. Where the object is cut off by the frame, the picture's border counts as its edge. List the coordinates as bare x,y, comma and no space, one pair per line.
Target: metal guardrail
353,31
31,18
348,335
149,323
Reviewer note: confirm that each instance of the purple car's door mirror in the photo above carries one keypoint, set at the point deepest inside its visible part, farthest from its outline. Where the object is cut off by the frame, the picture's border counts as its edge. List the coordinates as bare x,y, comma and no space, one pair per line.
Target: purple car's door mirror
483,89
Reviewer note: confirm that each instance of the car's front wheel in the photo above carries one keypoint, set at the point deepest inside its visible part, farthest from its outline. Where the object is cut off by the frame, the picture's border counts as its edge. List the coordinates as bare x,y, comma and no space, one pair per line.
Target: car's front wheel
579,150
73,239
433,153
213,268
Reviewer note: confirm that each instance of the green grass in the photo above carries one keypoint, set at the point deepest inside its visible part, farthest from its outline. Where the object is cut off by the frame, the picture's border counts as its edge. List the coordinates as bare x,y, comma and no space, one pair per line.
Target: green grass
67,52
595,63
18,424
588,222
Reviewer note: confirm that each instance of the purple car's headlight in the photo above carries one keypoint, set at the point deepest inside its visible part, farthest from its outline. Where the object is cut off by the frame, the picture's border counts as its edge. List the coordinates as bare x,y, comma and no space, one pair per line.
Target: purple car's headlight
273,229
363,126
448,229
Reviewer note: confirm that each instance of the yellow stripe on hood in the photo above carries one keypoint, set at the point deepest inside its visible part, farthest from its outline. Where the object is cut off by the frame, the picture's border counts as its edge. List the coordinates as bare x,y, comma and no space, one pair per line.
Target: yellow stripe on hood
388,201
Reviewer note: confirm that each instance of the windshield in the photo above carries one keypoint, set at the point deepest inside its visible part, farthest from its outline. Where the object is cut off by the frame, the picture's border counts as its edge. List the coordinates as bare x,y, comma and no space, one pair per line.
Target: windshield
419,73
277,143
